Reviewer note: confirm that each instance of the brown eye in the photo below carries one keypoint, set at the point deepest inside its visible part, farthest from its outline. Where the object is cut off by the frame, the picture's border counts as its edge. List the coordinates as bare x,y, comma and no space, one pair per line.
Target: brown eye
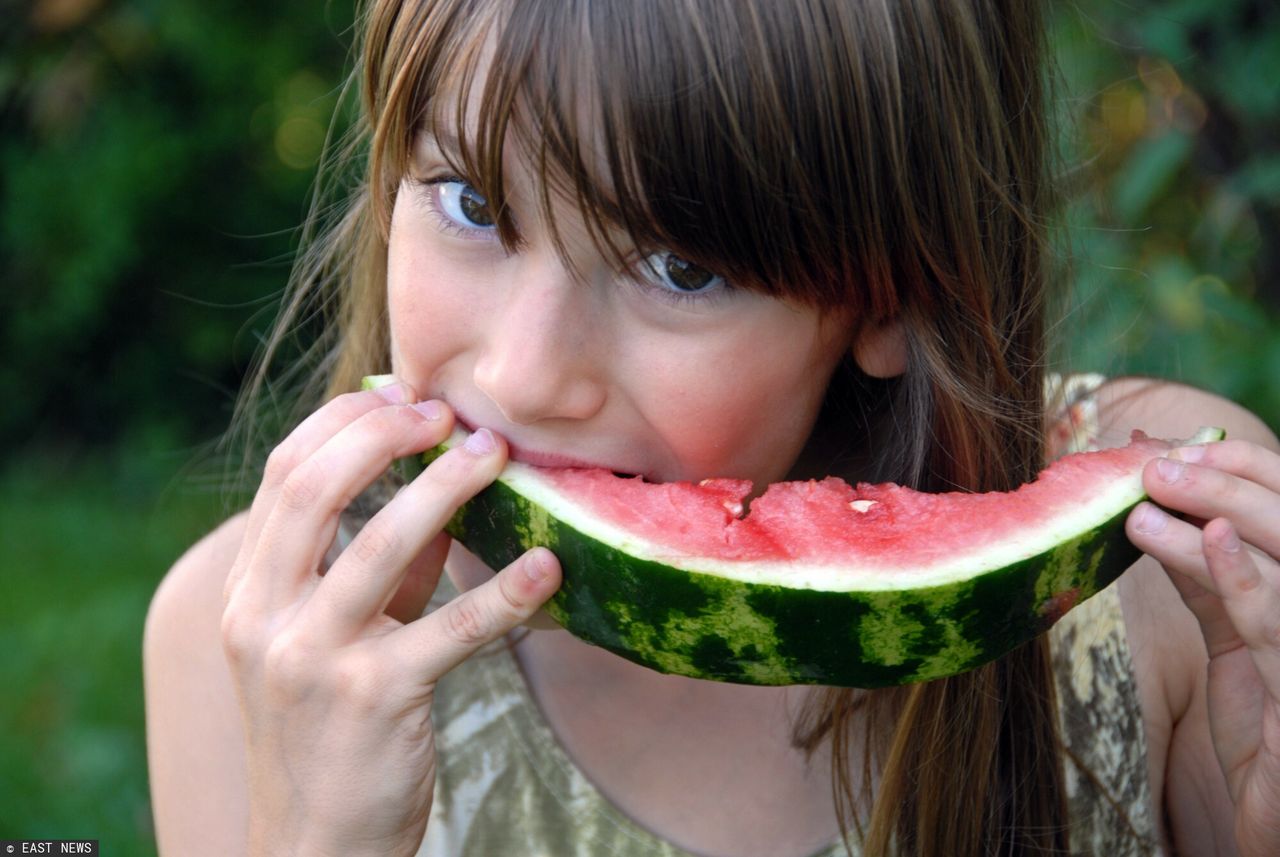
463,204
680,276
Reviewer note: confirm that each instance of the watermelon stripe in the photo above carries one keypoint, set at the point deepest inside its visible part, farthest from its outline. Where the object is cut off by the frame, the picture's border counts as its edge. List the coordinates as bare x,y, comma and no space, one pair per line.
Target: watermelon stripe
837,623
701,625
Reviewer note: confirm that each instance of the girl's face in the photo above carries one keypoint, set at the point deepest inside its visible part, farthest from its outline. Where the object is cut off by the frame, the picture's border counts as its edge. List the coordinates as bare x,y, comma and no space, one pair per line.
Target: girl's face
664,370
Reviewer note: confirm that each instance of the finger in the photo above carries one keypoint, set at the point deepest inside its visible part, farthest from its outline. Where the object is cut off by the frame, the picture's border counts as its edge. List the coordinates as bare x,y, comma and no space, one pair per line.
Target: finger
1251,601
1209,493
303,522
446,637
301,443
364,578
423,574
1178,547
1237,457
313,433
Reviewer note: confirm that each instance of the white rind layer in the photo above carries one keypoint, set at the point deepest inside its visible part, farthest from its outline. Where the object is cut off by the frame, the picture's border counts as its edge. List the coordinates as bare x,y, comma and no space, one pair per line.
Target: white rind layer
1109,501
1110,498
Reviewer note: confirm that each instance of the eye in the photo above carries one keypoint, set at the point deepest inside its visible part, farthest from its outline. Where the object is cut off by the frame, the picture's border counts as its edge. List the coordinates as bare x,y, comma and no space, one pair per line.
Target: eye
679,276
463,204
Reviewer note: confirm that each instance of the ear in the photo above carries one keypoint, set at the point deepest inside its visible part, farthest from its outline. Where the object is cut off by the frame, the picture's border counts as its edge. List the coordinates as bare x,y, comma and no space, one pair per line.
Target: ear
881,349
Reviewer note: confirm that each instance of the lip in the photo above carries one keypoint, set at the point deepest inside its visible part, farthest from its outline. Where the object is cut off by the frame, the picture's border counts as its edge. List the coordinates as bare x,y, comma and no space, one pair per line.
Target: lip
549,459
537,458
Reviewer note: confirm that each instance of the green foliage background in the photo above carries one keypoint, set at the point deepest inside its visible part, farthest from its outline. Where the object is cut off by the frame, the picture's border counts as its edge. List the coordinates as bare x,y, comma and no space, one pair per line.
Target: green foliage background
154,162
1174,125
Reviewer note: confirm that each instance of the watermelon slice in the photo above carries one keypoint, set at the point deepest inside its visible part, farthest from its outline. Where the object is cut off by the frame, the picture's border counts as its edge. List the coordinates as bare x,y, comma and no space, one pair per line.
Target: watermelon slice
820,582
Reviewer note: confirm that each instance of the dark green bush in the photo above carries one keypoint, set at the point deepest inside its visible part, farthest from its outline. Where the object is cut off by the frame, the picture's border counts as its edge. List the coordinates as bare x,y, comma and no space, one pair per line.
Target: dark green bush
156,157
1175,123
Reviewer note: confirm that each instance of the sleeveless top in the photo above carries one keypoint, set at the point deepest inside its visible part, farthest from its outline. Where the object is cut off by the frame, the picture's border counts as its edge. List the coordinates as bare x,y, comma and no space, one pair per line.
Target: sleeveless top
505,785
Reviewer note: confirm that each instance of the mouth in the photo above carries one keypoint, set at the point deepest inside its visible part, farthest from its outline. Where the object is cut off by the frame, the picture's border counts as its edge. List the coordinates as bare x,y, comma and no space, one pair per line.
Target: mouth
550,459
538,458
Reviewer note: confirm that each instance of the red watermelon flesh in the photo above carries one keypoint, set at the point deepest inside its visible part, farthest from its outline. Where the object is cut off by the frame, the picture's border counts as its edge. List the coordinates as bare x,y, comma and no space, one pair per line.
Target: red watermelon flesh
884,527
820,583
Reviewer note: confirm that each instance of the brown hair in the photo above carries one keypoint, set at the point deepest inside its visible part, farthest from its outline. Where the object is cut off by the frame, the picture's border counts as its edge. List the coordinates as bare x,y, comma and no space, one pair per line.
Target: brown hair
883,157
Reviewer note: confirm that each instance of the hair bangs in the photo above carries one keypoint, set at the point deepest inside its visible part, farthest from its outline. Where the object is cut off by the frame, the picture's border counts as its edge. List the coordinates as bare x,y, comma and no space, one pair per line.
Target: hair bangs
657,122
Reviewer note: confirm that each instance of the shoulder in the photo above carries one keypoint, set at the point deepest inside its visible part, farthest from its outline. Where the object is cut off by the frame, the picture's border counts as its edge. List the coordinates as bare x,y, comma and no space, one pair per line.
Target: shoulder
194,742
203,568
186,610
1168,409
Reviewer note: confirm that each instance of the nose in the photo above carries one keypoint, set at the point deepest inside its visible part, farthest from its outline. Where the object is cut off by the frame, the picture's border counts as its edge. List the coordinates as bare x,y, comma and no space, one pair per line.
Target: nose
537,360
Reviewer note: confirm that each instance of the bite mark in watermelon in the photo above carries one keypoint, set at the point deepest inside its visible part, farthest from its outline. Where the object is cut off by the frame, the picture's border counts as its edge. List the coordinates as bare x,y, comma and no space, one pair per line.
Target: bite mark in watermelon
821,582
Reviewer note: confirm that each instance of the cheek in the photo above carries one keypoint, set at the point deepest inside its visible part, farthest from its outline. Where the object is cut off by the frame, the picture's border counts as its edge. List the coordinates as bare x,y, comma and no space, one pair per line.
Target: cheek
429,314
409,307
405,298
750,412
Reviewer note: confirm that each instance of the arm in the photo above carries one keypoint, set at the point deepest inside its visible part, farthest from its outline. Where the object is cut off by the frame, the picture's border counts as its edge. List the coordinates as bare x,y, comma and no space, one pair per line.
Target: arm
195,745
1203,718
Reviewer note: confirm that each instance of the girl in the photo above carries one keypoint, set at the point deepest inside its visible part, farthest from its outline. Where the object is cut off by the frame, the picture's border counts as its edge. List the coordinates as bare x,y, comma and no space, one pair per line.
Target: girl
681,239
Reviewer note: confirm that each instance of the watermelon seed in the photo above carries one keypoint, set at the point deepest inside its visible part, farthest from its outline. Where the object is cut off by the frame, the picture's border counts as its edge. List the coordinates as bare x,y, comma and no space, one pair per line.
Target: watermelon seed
861,505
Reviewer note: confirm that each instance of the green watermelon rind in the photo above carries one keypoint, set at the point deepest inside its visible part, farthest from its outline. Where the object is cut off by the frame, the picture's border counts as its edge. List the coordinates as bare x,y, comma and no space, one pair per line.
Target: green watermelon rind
715,627
712,627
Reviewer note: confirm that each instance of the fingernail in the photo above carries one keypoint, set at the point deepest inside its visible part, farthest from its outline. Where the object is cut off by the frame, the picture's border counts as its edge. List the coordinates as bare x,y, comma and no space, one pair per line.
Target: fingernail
481,443
1170,470
396,394
536,568
1189,453
1150,520
429,409
1229,541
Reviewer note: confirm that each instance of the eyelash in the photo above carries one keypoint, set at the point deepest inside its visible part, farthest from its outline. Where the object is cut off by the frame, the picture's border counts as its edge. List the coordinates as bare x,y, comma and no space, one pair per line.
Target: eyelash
426,194
426,190
637,275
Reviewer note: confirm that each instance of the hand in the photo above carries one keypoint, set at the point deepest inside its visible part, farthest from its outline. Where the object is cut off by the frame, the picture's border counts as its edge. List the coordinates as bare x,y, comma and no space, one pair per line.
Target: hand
335,692
1225,562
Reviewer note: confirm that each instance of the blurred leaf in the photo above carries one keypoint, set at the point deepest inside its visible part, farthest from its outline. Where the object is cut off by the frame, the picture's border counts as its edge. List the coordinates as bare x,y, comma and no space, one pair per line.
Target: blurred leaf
143,227
1148,171
1260,179
1250,72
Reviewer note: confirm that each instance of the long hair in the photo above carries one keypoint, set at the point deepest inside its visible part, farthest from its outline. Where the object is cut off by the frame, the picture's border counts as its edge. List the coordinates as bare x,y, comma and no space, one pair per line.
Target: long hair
887,159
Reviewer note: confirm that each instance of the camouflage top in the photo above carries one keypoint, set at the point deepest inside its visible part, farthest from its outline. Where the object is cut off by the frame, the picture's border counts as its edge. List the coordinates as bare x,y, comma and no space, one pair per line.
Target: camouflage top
506,786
